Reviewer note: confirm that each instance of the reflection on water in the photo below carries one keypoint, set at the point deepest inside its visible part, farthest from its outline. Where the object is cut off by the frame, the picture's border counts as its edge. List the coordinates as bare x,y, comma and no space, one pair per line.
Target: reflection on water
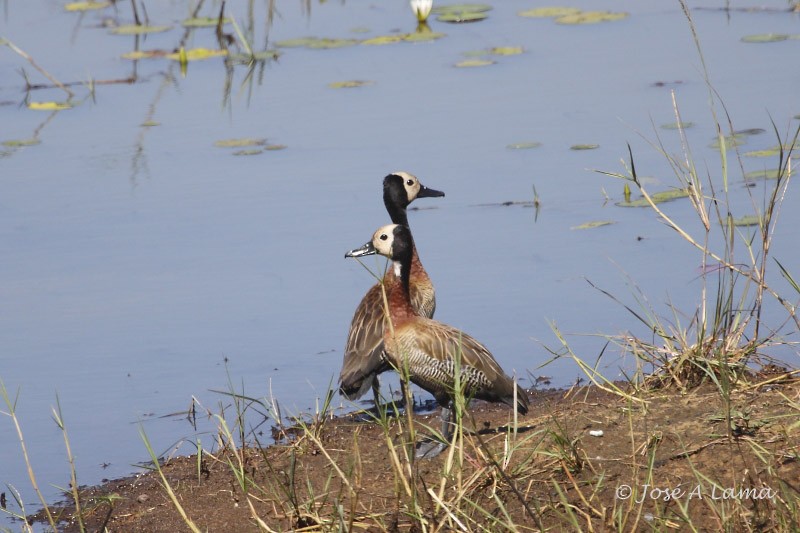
139,256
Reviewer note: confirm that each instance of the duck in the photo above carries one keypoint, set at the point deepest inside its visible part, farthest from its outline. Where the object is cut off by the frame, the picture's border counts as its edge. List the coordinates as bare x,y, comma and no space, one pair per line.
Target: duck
363,354
427,351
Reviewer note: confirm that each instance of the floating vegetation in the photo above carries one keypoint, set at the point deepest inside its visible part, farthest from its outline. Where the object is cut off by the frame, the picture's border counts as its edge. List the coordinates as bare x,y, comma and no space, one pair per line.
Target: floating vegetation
737,139
204,22
584,146
316,43
383,39
196,54
16,143
240,142
748,220
459,13
591,17
765,38
275,147
246,59
149,124
524,145
86,6
360,29
349,84
750,131
49,106
138,29
471,63
677,125
252,151
765,174
594,224
506,50
145,54
421,37
549,12
658,198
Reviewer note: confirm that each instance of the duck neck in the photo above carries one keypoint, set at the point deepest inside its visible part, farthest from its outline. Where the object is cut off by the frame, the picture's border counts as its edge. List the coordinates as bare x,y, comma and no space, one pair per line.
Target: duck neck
396,213
399,296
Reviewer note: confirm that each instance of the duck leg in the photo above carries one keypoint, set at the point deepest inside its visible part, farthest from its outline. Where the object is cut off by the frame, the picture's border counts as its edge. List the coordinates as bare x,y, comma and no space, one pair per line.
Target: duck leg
430,447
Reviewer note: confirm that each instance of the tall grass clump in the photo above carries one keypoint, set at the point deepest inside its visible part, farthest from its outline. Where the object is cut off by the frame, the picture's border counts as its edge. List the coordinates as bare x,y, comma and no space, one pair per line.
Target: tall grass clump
726,333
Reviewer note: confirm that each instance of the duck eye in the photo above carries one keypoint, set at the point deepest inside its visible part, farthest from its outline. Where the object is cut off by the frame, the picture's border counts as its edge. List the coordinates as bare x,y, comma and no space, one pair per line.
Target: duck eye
410,183
383,237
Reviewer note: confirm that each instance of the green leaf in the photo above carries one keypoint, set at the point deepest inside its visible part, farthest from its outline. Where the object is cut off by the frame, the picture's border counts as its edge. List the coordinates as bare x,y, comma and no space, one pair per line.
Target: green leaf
549,12
677,125
748,220
524,145
349,84
86,6
240,142
138,29
658,198
765,38
15,143
591,17
594,224
203,22
584,146
471,63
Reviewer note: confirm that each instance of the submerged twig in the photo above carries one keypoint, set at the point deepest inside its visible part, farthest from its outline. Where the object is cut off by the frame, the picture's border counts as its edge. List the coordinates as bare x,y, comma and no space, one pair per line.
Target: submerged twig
35,65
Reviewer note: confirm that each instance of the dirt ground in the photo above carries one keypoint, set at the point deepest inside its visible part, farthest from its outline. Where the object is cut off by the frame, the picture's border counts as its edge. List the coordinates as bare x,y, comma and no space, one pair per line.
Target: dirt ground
660,464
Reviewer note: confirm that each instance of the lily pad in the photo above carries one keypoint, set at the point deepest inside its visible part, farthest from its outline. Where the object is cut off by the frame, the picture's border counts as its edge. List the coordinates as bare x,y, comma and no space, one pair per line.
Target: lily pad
252,151
594,224
145,54
275,147
322,44
765,38
197,54
591,17
677,125
461,8
765,174
524,145
584,146
150,124
458,18
383,39
138,29
316,43
730,140
506,50
471,63
240,142
349,84
748,220
421,37
264,55
203,22
750,131
86,6
658,198
549,12
49,106
15,143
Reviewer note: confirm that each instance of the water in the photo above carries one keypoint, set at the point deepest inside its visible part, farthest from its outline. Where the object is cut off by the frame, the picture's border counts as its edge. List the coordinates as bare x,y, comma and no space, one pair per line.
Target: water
138,260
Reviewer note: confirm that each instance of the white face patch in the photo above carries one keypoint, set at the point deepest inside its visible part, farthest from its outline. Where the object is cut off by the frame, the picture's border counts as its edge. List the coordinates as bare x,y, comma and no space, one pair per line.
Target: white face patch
396,266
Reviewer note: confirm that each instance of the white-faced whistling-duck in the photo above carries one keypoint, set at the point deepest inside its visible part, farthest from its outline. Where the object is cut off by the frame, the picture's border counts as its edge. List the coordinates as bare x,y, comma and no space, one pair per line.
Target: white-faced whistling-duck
428,351
363,354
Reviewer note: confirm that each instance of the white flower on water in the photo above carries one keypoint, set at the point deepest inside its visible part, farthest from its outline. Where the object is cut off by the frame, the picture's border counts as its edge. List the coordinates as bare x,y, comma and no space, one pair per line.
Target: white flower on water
421,8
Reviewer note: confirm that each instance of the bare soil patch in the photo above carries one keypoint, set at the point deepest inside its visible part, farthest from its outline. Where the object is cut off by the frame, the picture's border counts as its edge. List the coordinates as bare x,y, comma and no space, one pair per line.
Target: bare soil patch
661,464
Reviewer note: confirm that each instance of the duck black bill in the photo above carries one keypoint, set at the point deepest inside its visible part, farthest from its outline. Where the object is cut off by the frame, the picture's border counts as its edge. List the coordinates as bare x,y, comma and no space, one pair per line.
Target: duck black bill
367,249
426,192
